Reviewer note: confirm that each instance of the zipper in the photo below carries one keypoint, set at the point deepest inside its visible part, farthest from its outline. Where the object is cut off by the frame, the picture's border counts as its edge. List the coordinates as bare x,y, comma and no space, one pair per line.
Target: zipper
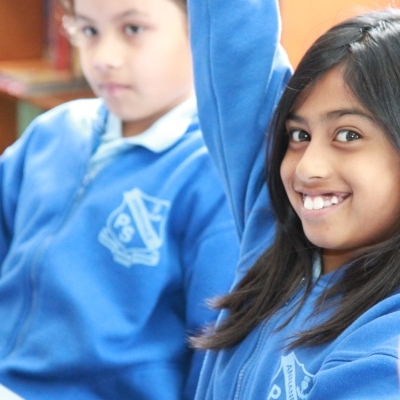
99,124
34,265
260,344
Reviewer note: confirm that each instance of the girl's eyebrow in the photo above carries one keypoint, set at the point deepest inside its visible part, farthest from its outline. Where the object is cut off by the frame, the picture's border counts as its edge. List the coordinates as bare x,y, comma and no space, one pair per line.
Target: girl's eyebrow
349,111
334,115
295,118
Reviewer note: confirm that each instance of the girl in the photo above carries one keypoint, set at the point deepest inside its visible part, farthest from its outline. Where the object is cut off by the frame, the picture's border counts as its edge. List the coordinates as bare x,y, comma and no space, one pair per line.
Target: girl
317,314
113,222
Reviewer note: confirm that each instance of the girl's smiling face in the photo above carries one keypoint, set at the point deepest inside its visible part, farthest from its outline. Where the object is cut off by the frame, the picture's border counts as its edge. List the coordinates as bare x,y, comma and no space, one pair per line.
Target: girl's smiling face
340,172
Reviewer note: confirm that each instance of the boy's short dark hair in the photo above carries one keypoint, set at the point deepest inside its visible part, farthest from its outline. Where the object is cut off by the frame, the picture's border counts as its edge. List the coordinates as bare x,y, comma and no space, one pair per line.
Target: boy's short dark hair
68,6
182,4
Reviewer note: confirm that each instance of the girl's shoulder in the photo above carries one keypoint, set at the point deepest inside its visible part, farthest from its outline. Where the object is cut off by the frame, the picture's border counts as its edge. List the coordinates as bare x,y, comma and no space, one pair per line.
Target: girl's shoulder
376,332
363,360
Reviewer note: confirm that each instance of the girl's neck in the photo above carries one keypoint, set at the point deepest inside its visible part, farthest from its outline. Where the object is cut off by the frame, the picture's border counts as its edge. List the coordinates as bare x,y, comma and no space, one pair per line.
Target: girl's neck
332,260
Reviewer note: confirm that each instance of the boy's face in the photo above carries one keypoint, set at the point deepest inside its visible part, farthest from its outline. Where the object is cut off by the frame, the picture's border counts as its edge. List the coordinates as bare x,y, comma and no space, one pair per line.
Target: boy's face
136,56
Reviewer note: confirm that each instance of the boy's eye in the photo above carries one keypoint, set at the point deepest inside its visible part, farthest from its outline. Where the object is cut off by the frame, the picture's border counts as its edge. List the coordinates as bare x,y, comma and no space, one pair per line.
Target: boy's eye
298,135
88,31
131,30
347,136
78,31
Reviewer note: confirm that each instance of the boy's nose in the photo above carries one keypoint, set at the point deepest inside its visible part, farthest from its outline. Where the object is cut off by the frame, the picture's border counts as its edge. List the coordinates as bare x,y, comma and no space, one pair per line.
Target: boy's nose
108,54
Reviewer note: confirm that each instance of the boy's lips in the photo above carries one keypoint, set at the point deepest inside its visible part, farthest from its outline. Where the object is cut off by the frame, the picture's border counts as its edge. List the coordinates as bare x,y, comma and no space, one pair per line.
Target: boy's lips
113,87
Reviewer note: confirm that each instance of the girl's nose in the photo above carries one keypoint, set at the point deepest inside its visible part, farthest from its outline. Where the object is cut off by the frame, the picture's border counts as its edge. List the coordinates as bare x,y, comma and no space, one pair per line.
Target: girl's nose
315,163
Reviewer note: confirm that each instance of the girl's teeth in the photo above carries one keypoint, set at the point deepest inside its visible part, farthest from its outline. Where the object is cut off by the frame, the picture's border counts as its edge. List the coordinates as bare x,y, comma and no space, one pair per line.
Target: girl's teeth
317,203
308,203
327,203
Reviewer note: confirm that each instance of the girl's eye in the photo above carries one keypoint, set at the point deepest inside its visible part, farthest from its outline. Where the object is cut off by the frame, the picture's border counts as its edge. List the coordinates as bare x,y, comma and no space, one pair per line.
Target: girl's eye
132,30
298,135
347,136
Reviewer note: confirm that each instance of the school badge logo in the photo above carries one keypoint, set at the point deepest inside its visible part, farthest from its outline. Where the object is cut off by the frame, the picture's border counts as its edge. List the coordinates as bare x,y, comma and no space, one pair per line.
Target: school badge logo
134,232
292,381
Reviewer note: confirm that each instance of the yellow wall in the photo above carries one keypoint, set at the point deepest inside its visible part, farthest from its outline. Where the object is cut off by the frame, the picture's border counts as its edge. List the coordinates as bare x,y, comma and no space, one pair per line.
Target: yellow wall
304,20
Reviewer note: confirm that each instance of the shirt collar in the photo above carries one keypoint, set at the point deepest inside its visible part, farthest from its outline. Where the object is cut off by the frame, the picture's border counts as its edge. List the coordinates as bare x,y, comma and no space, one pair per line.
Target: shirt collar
160,136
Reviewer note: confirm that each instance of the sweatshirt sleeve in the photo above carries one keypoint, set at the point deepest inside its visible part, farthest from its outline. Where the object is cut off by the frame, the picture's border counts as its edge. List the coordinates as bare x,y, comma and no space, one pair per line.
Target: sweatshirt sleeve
210,254
363,363
371,377
240,72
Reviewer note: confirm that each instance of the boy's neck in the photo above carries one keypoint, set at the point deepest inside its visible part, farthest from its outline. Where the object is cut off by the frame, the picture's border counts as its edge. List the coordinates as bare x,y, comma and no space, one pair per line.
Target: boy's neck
136,127
167,129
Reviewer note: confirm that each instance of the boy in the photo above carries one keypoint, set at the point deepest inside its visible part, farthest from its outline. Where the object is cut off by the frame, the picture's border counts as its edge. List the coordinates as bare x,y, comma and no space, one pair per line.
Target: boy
114,228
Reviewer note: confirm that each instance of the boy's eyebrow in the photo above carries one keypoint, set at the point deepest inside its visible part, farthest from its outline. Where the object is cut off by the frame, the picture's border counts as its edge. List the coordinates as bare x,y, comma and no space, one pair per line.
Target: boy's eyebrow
333,115
128,13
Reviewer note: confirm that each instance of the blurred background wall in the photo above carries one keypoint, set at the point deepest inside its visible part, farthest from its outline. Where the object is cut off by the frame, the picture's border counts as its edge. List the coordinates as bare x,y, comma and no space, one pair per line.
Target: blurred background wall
304,20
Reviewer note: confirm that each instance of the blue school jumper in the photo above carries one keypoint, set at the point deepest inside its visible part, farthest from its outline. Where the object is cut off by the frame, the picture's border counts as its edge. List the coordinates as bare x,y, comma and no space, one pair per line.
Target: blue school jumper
240,72
105,270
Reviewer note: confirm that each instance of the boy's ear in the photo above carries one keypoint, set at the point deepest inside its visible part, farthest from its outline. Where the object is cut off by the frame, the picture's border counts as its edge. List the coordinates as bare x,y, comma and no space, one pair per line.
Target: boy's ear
69,26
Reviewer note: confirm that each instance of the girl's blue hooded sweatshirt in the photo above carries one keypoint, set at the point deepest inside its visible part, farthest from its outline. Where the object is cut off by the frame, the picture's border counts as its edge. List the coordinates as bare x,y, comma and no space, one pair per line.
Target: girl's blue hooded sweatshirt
240,72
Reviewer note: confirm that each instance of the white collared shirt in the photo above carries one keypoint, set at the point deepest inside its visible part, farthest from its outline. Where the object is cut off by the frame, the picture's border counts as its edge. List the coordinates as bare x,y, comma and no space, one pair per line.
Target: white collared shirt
160,136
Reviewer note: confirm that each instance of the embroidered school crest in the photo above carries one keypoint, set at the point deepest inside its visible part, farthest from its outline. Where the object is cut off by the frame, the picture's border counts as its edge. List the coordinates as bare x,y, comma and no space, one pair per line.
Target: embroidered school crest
134,232
292,382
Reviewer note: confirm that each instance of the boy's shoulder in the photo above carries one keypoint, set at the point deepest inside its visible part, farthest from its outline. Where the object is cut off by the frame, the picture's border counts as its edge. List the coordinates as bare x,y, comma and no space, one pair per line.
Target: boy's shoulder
79,109
81,112
84,117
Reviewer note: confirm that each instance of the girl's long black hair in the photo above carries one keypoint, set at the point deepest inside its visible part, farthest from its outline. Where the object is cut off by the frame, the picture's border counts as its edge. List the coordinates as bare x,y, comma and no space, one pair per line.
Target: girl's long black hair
367,48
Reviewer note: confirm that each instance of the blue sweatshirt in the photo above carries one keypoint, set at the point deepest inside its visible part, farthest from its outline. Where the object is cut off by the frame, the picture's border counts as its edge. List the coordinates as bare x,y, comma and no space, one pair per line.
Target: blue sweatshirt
240,73
103,277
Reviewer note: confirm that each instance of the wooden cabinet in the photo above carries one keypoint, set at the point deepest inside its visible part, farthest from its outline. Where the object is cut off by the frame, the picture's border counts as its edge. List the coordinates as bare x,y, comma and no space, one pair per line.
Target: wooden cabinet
8,121
24,27
21,38
21,29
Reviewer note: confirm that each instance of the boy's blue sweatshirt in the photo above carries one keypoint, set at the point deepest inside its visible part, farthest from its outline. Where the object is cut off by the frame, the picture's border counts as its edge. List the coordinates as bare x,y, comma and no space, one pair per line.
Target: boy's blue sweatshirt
102,280
240,72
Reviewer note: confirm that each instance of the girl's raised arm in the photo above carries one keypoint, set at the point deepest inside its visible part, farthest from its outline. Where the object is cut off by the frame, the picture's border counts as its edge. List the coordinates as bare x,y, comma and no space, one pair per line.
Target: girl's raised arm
240,72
